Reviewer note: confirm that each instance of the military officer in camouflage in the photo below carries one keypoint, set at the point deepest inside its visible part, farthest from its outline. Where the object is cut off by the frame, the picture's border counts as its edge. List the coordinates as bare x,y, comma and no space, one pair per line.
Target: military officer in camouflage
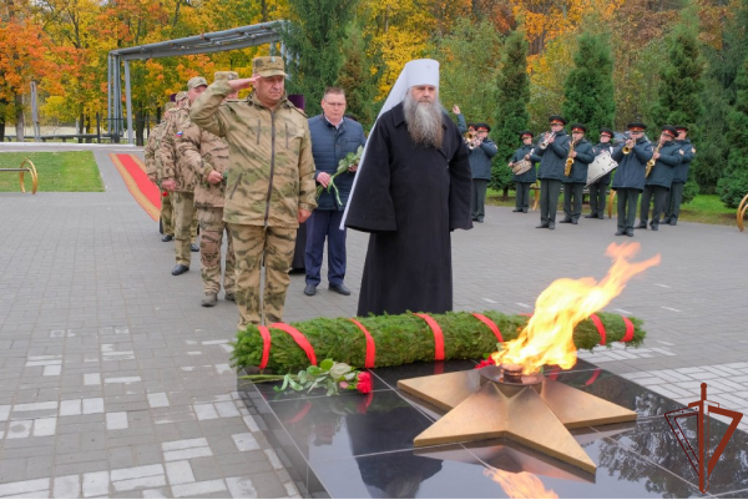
208,157
270,187
153,170
179,178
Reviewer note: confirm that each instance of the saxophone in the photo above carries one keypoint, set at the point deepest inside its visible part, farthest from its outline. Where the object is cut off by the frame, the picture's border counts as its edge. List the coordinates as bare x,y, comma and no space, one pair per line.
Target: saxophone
569,160
651,162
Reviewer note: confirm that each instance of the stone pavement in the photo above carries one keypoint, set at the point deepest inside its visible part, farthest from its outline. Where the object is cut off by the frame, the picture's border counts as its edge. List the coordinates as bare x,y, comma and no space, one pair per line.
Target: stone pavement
115,382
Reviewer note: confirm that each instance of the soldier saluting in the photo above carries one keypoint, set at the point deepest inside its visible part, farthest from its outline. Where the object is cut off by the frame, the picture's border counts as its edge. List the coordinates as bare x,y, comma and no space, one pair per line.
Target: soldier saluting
270,187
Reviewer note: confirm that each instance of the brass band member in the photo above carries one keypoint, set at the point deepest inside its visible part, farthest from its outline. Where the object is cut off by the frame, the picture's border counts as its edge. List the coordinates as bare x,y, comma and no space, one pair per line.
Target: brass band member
575,175
553,149
482,149
632,157
599,188
666,158
524,180
675,195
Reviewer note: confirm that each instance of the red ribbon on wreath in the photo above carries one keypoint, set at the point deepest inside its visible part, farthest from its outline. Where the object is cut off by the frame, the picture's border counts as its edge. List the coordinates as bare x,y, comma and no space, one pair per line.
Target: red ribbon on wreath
438,336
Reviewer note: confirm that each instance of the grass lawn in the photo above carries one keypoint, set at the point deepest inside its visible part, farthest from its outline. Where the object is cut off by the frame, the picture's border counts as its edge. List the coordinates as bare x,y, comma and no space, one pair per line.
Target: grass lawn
72,171
705,208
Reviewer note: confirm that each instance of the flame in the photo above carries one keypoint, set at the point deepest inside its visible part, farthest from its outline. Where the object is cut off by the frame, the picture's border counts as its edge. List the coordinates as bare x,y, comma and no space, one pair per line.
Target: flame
548,336
519,485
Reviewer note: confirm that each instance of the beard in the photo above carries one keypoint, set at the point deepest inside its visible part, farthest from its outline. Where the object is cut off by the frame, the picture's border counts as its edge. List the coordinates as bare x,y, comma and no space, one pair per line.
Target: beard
424,121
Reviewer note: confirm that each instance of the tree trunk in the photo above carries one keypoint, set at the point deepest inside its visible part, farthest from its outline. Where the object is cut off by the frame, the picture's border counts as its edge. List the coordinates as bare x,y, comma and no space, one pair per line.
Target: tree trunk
3,108
139,126
20,122
505,196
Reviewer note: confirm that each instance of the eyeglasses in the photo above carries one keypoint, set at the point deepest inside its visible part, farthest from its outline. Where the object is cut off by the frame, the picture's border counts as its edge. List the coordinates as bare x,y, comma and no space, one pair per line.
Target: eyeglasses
335,104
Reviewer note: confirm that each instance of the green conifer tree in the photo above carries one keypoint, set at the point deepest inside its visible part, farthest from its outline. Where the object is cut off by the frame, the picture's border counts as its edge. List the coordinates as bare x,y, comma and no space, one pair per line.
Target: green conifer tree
313,39
513,94
733,186
358,77
589,92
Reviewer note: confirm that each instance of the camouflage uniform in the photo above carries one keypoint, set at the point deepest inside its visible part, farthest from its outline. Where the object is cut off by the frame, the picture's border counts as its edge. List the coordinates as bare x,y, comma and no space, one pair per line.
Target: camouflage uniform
185,216
271,177
153,170
204,152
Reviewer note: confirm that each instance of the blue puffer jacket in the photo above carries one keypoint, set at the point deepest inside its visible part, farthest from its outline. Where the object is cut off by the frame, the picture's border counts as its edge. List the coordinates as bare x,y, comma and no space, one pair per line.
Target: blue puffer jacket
329,146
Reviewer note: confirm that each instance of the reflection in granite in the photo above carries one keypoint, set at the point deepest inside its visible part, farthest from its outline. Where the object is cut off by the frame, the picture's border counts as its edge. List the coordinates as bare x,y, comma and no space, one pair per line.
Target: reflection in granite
358,446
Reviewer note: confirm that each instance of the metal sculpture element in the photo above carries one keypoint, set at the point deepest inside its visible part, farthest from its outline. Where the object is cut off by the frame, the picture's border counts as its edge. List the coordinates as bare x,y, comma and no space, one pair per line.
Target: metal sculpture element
530,409
31,169
741,212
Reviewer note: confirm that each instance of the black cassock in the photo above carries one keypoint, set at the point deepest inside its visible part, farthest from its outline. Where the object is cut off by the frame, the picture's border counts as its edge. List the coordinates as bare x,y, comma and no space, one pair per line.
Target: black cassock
409,198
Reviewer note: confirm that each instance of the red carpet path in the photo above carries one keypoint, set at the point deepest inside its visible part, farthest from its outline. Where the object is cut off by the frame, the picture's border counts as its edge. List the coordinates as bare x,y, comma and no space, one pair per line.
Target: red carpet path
146,193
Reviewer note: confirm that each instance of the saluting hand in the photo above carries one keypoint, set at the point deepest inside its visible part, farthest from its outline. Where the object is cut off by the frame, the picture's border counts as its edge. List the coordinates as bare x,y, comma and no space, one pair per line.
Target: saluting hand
243,83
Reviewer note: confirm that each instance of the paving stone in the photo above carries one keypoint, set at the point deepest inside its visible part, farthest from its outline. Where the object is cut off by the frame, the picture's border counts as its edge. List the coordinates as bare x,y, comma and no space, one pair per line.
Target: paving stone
199,488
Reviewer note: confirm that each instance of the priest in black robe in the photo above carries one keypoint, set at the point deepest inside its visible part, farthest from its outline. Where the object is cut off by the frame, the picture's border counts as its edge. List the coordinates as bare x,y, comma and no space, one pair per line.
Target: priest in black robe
413,188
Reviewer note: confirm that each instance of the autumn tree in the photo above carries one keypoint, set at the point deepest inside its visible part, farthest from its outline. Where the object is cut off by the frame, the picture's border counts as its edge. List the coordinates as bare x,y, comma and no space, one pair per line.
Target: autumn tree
733,185
313,37
589,93
358,77
511,116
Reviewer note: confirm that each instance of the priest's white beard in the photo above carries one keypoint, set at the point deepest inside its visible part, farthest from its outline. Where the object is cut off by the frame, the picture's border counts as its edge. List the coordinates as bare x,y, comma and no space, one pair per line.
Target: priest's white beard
424,120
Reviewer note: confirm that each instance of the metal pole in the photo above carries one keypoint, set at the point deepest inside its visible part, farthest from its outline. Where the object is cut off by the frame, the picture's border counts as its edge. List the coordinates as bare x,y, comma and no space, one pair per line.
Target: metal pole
128,97
109,93
35,112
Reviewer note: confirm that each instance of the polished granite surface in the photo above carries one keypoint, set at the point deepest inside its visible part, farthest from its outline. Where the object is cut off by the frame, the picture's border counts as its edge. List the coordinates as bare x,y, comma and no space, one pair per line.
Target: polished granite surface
361,446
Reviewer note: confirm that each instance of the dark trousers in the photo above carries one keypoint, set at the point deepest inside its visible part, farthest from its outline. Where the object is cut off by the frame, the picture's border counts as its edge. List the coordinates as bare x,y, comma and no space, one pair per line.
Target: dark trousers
673,201
598,199
627,199
660,195
573,200
479,198
325,224
523,195
549,191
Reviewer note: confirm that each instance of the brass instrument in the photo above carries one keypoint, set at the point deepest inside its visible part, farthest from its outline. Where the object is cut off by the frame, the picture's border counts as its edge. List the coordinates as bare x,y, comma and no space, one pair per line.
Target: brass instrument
651,162
569,159
472,140
629,147
548,136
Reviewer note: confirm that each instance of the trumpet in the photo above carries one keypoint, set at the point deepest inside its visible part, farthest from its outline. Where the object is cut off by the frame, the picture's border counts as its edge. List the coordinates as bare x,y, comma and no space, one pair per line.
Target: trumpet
472,140
548,136
630,143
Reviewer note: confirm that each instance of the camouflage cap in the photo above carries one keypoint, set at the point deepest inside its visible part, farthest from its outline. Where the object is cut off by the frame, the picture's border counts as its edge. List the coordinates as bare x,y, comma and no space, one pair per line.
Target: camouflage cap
268,66
225,75
196,81
169,106
180,96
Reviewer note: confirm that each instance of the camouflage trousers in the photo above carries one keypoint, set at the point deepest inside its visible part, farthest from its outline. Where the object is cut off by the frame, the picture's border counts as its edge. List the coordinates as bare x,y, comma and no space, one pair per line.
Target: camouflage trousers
211,240
167,214
252,246
185,226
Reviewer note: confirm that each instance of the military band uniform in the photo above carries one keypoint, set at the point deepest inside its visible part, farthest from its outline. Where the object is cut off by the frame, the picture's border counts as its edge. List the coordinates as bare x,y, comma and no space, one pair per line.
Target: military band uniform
204,153
680,177
658,183
550,173
271,177
480,167
574,183
599,188
525,180
629,182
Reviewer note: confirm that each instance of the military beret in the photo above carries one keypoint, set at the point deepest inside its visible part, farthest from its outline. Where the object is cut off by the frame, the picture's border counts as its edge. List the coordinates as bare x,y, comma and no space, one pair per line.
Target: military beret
225,75
196,81
681,127
636,127
526,133
670,130
557,118
482,127
579,127
268,66
607,131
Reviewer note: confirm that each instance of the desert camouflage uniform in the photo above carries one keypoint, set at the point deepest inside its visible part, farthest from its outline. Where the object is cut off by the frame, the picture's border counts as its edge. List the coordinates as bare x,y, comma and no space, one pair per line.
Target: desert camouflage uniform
153,170
185,216
204,152
271,177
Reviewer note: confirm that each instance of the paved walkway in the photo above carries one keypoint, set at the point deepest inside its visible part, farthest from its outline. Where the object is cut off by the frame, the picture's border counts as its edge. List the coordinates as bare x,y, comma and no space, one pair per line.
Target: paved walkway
114,382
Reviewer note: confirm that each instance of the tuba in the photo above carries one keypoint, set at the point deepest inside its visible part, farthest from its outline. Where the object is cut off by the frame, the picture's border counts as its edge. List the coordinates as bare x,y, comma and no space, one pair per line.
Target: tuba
651,162
548,136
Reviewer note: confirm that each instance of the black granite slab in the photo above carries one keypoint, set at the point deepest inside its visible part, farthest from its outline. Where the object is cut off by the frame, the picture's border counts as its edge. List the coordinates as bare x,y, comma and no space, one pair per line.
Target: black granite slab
361,446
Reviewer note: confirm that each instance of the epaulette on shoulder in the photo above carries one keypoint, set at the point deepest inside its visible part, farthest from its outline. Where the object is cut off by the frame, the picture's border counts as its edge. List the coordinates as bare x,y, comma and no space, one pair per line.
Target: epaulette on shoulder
298,109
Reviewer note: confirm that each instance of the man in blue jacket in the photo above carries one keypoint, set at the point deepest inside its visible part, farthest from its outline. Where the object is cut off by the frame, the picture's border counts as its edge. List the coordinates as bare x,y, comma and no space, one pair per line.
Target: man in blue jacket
667,156
482,149
333,137
680,177
632,157
581,156
553,149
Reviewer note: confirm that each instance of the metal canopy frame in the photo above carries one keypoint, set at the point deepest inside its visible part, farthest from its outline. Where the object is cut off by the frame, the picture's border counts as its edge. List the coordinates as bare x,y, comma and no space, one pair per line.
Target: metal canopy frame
218,41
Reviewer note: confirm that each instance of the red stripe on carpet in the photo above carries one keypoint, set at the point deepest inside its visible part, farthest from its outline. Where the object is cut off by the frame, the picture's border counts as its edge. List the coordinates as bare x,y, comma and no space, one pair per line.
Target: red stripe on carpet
146,194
